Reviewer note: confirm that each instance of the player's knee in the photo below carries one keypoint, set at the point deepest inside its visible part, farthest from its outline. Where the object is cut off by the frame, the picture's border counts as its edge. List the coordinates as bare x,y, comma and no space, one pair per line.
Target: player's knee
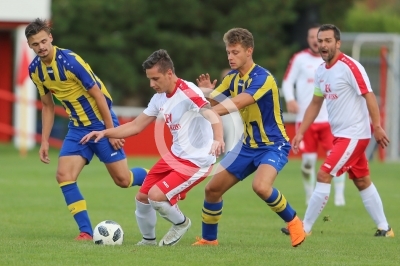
62,177
263,191
323,177
212,192
155,194
143,198
362,183
122,181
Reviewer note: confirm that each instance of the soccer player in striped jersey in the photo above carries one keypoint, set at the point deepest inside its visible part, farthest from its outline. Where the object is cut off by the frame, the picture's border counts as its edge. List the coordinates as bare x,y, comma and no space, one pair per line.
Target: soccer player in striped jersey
300,74
265,146
63,74
197,139
351,103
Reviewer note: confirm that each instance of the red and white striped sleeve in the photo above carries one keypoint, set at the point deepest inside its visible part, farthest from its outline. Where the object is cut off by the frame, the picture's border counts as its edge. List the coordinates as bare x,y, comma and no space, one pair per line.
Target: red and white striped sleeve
358,76
195,95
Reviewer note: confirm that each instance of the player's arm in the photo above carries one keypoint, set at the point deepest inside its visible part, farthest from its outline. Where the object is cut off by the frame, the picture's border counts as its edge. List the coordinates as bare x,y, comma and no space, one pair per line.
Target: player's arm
257,88
207,87
289,79
216,123
47,125
131,128
128,129
311,113
374,113
234,104
102,105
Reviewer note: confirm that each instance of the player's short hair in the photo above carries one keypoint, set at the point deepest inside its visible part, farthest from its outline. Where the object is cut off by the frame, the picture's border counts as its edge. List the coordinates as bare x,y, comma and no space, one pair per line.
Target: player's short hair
160,58
37,26
336,31
239,36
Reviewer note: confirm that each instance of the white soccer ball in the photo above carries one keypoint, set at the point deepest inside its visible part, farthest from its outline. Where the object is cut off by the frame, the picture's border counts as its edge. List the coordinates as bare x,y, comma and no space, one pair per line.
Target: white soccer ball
108,233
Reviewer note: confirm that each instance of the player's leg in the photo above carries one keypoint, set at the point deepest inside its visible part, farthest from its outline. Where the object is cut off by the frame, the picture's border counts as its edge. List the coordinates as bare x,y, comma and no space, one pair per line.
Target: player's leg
125,177
309,148
235,166
271,161
145,214
117,165
343,155
146,219
359,173
326,139
165,195
73,157
308,162
68,170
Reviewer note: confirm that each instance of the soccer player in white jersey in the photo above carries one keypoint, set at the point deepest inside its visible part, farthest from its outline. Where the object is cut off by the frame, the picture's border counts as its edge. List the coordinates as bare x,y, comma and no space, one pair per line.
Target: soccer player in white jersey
300,74
351,103
197,141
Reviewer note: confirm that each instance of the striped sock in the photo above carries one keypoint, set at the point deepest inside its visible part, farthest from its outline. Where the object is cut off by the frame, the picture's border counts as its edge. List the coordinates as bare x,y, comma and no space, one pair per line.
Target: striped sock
278,203
77,206
138,174
211,214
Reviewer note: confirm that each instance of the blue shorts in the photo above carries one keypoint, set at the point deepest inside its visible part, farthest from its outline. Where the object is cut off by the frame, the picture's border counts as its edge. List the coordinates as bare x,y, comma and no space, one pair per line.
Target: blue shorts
242,161
103,149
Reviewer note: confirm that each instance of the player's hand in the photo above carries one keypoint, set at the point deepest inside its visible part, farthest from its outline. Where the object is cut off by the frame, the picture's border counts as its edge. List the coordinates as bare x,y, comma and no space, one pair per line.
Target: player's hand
217,148
292,107
381,137
204,81
44,152
296,143
117,143
96,135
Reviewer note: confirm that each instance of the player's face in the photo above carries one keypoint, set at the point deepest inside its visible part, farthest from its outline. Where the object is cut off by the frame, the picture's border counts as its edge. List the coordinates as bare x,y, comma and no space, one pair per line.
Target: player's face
327,45
41,44
238,55
160,82
312,40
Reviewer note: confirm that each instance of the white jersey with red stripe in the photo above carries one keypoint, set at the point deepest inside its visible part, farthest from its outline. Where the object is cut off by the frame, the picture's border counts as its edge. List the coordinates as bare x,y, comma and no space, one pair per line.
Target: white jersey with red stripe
342,85
192,134
300,73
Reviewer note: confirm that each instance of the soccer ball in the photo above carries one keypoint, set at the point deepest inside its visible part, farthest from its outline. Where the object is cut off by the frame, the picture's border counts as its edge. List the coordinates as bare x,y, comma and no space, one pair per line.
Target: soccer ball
108,233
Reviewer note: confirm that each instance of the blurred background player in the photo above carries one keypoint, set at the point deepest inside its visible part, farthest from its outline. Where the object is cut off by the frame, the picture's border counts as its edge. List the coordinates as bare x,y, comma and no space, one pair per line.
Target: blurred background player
65,75
264,148
300,75
197,141
343,83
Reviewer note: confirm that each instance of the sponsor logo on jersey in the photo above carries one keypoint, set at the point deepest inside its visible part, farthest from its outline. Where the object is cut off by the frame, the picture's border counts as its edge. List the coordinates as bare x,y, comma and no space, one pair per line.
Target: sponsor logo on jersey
328,88
168,118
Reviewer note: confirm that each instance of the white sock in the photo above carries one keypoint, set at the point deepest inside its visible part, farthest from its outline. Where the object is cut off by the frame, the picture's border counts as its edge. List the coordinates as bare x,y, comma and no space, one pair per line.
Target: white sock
373,203
146,219
317,203
308,174
339,183
170,213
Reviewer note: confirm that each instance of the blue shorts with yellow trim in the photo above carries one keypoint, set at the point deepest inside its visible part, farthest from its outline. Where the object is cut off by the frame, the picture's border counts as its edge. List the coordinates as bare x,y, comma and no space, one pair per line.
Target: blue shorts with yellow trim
103,149
242,160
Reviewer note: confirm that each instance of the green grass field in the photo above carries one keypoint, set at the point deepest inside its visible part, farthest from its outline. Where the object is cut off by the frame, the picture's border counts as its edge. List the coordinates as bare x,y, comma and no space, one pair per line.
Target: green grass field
37,229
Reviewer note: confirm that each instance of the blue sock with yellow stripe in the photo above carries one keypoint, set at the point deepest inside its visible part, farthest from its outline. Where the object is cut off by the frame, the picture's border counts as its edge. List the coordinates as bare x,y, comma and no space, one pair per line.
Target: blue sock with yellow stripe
211,214
77,206
278,203
138,174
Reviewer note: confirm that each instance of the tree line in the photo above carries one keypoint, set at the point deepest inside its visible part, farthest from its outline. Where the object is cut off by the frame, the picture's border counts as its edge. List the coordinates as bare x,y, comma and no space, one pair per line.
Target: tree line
115,37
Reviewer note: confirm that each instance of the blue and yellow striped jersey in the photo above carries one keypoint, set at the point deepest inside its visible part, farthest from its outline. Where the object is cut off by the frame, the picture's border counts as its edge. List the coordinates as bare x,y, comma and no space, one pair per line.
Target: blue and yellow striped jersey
262,120
68,78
